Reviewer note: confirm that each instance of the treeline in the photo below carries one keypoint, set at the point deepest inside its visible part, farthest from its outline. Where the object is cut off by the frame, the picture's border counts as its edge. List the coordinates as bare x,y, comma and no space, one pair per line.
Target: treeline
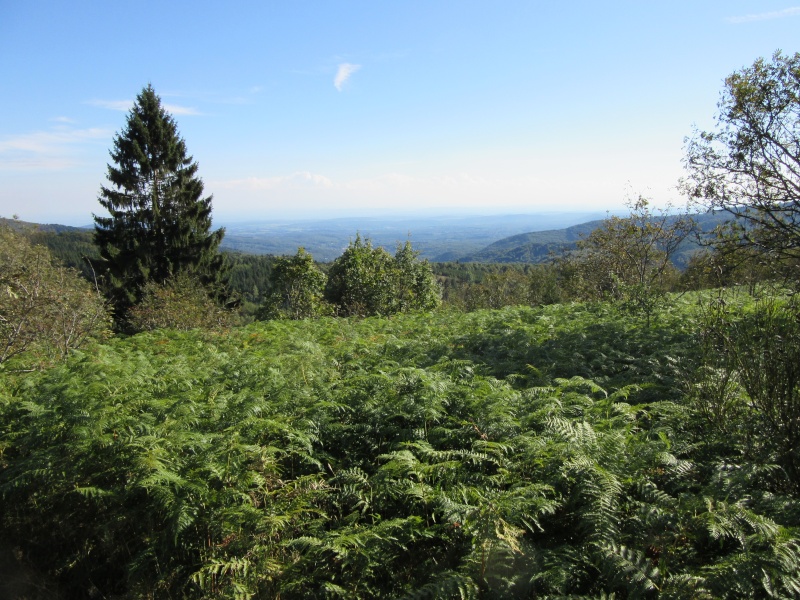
569,275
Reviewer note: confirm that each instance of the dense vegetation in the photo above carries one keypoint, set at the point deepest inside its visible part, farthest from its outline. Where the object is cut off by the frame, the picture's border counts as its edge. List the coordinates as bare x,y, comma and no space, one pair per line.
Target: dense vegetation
516,453
610,438
46,309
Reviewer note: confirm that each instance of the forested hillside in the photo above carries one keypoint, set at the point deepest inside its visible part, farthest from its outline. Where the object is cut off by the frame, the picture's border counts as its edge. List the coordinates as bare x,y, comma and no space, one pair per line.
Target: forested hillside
541,246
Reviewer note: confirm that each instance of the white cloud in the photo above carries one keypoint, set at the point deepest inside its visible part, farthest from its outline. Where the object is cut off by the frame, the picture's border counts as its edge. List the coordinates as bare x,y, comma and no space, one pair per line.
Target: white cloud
343,74
120,105
295,180
125,106
47,141
47,150
176,109
766,16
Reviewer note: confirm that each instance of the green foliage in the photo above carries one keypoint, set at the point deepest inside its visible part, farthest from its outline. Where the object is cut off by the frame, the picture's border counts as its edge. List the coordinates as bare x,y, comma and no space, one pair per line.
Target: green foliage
180,302
750,165
250,275
628,260
297,289
514,453
752,369
414,285
46,310
528,285
75,249
367,280
725,266
159,223
359,281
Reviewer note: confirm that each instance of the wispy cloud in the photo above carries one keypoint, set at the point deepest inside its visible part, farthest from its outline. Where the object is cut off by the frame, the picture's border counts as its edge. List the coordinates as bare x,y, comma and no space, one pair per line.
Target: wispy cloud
120,105
379,184
46,141
766,16
62,120
47,150
125,106
299,179
343,74
177,109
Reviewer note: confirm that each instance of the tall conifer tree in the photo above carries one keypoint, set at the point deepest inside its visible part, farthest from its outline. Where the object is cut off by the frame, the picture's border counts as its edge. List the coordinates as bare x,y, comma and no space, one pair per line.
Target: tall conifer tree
159,222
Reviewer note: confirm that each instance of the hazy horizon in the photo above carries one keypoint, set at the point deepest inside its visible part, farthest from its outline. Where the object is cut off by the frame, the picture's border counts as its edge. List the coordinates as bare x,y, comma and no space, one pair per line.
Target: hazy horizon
389,216
357,107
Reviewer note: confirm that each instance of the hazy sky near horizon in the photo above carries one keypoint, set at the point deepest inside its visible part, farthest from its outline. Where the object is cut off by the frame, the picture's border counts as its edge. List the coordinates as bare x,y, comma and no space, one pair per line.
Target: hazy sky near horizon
317,109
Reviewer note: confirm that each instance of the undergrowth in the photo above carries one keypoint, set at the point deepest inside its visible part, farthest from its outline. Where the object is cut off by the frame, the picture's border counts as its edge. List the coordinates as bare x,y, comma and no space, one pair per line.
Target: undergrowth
517,453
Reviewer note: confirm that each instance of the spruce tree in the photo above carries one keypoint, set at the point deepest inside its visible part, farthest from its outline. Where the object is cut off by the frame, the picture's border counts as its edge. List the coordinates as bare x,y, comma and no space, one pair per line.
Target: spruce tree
159,222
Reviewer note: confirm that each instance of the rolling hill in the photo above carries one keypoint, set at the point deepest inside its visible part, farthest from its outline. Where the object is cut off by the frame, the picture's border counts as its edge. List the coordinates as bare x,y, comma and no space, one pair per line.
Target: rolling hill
538,246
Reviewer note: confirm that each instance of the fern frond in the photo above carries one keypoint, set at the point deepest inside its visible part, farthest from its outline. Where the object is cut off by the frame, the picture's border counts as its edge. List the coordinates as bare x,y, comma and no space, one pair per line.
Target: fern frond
630,568
448,585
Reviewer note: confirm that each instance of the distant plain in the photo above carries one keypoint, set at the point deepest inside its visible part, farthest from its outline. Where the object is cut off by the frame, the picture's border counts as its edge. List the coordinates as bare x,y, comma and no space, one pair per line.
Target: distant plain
437,238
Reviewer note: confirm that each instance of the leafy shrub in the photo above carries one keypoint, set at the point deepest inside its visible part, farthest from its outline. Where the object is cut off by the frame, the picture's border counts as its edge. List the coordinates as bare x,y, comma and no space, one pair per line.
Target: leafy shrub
755,356
297,289
46,310
628,260
367,281
181,303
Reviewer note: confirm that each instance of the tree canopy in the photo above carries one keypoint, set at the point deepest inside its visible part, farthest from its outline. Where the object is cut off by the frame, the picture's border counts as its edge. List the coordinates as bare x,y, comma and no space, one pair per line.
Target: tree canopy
750,164
367,280
159,223
297,288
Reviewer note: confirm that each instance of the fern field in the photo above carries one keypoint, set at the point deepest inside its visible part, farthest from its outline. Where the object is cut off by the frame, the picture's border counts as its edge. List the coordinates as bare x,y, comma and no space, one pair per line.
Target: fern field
564,451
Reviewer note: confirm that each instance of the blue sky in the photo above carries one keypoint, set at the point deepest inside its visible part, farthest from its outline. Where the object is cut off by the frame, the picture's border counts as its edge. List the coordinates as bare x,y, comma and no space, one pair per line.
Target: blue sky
317,109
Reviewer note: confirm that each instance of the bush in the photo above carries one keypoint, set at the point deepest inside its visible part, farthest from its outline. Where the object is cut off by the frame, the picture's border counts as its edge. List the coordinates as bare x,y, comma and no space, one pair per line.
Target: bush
46,310
759,353
179,303
297,289
369,281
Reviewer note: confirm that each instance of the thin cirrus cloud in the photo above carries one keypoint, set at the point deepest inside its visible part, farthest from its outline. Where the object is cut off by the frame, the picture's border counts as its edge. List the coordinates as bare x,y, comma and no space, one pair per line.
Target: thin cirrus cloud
766,16
384,183
47,150
301,178
125,106
343,73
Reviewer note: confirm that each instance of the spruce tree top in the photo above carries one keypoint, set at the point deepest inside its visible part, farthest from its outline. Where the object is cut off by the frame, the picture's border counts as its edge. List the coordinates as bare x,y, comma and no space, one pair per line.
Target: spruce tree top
159,222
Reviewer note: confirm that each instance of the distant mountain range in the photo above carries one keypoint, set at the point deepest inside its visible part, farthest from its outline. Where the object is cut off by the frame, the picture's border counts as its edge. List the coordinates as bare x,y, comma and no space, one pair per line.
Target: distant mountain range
503,238
537,246
532,247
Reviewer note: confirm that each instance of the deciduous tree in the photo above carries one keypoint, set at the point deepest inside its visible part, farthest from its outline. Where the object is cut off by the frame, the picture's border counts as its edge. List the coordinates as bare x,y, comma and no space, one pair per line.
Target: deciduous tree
750,164
297,288
415,285
629,259
366,280
359,281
